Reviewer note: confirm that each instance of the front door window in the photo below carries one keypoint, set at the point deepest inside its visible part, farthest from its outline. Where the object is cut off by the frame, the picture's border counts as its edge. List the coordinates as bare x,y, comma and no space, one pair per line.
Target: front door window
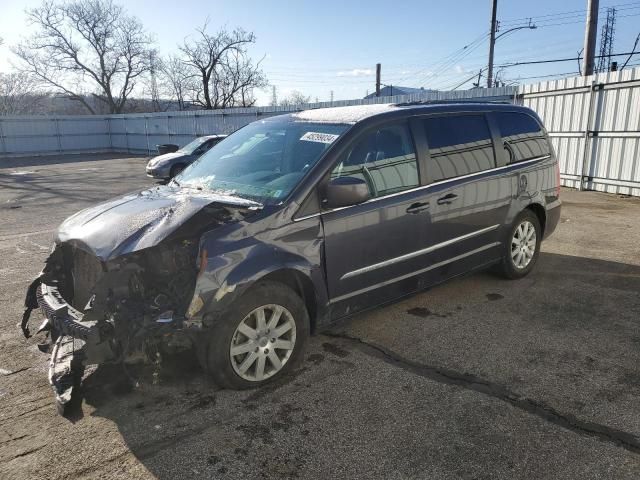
384,158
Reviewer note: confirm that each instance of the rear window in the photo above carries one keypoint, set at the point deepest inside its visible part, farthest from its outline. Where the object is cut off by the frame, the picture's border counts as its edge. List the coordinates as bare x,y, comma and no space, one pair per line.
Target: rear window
522,136
458,145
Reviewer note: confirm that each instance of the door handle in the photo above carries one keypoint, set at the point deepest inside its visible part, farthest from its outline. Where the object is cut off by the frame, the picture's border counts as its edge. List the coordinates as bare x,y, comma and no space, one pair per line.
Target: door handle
447,199
418,207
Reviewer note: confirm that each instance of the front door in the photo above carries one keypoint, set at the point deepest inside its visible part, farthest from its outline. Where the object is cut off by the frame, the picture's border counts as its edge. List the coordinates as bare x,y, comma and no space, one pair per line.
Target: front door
368,247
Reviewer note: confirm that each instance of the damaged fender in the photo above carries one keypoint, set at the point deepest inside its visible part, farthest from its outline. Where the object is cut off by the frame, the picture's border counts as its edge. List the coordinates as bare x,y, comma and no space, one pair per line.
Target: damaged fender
294,256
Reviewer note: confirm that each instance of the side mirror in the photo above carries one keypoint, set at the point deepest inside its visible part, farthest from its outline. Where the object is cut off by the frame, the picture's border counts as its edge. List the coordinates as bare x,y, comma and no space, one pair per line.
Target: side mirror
345,191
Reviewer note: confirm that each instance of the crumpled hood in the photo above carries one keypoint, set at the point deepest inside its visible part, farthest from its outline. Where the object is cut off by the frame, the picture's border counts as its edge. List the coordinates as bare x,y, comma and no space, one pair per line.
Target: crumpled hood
140,220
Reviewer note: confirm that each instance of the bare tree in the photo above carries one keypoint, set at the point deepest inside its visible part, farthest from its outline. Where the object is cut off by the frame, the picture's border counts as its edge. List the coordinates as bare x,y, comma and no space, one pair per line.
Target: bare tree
226,74
86,42
19,95
295,98
176,80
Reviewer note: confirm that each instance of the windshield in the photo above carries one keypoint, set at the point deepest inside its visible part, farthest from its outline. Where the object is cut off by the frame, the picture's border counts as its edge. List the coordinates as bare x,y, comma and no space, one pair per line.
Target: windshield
262,161
189,148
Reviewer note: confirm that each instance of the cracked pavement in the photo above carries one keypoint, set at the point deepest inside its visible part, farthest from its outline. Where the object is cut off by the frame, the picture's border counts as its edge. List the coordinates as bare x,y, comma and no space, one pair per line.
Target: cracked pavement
478,378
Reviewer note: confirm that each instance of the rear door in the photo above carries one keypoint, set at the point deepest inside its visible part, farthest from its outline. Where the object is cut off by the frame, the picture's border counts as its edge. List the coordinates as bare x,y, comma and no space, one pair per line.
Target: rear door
469,195
366,245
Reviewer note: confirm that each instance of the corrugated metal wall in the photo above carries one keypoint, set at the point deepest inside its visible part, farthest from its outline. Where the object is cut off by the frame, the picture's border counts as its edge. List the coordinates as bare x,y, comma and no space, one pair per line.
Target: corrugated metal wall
594,125
140,133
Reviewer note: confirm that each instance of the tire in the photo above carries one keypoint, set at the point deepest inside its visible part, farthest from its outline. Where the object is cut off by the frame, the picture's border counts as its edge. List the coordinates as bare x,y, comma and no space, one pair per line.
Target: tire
266,345
519,258
175,170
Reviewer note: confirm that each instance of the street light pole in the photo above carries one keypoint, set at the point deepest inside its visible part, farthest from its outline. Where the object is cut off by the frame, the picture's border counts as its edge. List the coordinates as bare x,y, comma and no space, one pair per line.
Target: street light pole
530,26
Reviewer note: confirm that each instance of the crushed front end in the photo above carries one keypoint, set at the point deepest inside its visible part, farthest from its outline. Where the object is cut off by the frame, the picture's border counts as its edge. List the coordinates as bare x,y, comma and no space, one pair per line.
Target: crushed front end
110,311
122,276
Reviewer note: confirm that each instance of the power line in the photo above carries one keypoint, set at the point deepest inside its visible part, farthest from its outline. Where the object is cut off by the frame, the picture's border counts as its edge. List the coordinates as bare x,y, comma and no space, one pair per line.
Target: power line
419,77
452,61
562,74
635,44
556,60
425,73
570,13
440,70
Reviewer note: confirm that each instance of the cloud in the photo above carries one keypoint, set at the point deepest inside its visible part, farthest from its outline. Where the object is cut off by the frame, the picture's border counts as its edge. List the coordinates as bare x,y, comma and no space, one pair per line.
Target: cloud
460,69
356,72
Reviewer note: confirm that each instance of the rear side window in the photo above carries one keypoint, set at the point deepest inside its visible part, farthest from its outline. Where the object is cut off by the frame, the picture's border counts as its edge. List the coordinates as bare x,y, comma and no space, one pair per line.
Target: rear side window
522,136
384,158
458,145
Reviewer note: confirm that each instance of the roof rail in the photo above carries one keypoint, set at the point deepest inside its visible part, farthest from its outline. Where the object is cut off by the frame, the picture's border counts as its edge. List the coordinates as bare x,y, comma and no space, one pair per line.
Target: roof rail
437,102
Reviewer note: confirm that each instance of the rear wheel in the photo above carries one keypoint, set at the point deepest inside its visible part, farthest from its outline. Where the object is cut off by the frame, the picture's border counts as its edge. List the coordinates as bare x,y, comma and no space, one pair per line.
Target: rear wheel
522,248
261,339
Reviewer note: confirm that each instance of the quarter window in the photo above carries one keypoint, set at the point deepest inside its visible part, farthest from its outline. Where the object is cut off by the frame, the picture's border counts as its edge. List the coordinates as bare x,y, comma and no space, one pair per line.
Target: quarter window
458,145
384,158
522,135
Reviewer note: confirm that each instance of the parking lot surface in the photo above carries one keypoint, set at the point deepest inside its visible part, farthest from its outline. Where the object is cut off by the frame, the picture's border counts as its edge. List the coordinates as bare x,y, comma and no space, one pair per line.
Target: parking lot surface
478,378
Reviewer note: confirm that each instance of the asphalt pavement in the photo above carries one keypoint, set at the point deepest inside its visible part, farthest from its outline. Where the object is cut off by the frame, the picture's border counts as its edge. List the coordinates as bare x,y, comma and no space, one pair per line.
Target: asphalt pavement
479,378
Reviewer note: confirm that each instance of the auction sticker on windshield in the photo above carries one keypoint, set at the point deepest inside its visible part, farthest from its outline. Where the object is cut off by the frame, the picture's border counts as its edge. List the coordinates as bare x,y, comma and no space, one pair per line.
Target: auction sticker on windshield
319,137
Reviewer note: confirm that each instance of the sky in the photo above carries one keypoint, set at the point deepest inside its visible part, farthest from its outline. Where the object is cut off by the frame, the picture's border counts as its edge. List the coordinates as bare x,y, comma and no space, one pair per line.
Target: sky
329,46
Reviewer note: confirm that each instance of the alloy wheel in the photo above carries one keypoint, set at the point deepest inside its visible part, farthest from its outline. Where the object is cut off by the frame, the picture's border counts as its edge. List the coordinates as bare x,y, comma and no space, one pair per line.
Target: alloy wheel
523,244
263,342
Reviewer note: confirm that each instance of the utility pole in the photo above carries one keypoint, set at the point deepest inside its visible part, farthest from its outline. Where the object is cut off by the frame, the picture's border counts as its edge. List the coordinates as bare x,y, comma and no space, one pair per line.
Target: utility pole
331,97
378,69
274,96
492,42
590,37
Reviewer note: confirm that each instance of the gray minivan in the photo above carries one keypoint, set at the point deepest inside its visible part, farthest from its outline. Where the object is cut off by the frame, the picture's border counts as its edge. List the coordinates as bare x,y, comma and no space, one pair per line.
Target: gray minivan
294,222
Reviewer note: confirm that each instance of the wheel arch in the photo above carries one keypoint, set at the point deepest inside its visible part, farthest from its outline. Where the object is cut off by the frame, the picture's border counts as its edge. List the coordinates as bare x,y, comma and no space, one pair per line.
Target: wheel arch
301,284
306,280
541,213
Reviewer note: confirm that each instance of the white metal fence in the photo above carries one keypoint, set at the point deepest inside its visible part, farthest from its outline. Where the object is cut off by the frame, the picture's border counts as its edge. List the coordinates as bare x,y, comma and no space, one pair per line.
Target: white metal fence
594,125
140,133
593,122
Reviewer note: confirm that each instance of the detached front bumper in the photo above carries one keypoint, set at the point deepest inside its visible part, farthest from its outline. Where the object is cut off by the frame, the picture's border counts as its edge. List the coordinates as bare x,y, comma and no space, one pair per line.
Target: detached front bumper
69,335
65,319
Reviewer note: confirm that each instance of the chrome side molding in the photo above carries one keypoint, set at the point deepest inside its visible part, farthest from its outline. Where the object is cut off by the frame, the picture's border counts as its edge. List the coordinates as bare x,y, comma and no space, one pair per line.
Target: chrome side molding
413,274
417,253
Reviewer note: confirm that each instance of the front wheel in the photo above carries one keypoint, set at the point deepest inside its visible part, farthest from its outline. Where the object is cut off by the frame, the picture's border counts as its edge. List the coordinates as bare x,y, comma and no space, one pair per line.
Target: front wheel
522,248
261,339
